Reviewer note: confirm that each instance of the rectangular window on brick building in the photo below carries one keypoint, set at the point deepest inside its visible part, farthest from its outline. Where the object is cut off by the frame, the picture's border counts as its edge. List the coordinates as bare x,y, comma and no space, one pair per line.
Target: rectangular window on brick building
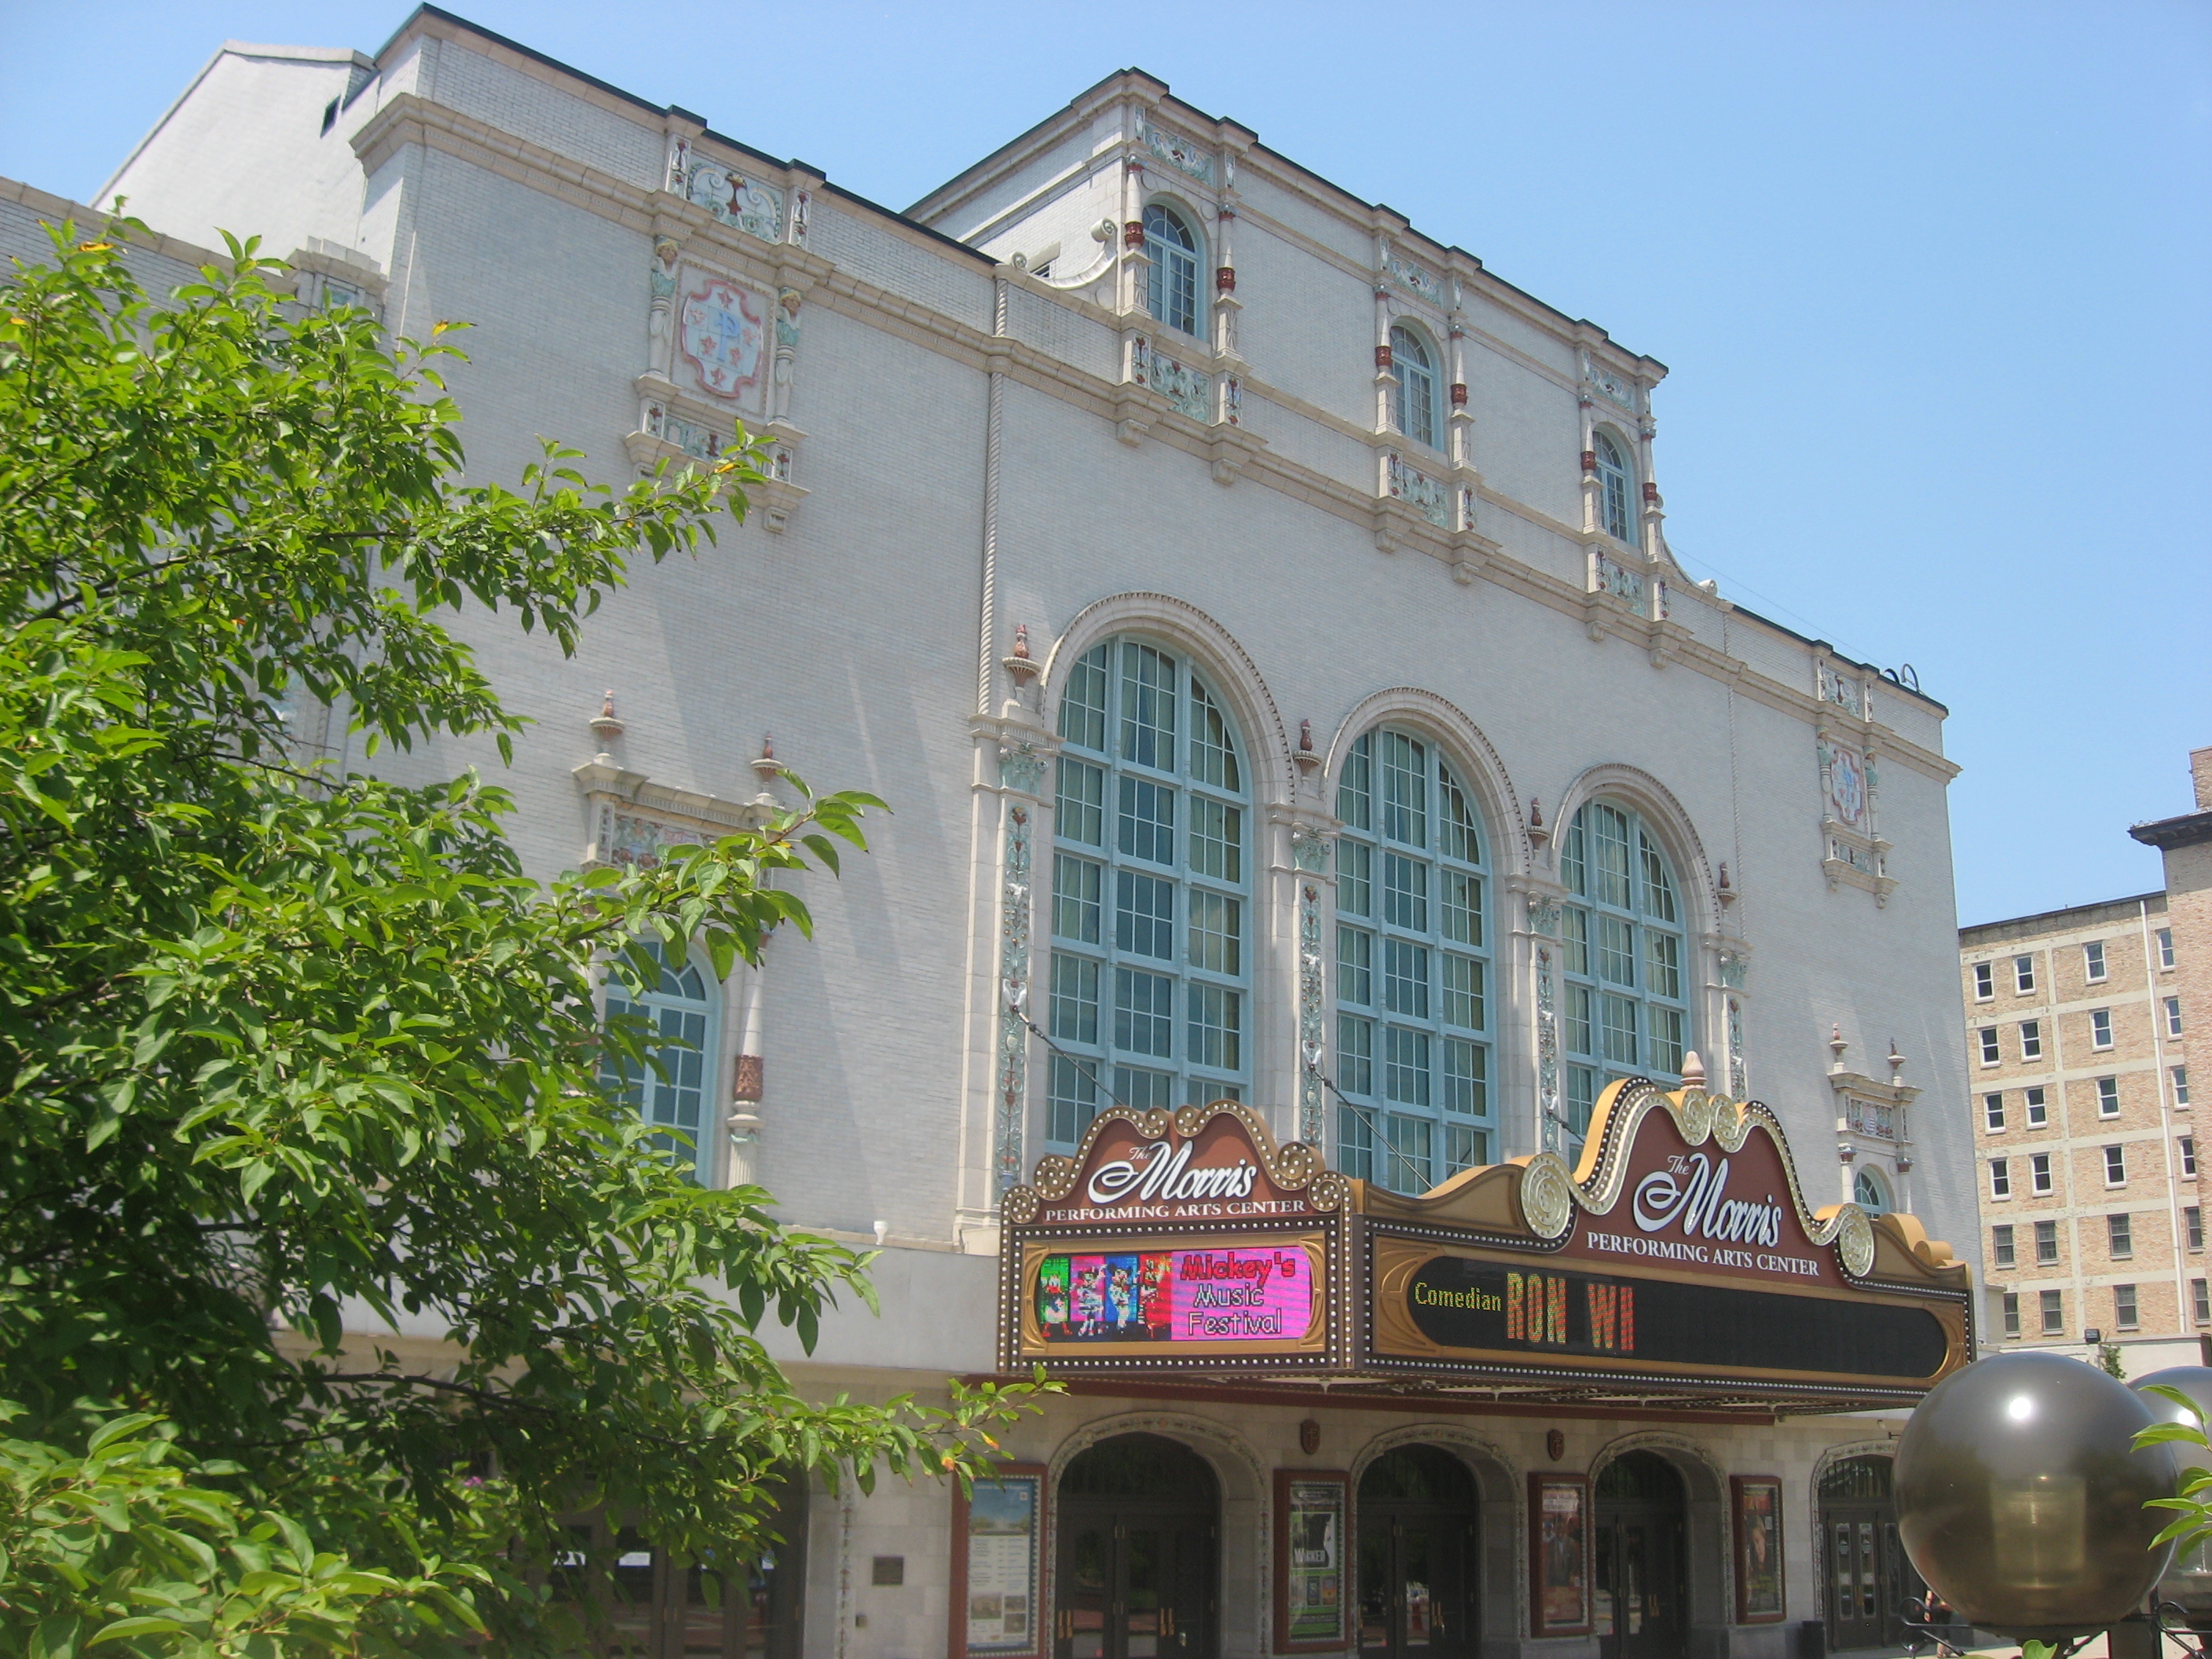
2192,1222
2101,1028
2173,1017
2120,1236
2181,1085
2123,1306
2023,975
1984,981
1999,1178
2108,1096
2031,1039
2038,1109
1993,1112
2001,1252
2046,1243
2165,947
2092,960
2054,1313
2039,1173
2200,1297
2116,1166
2012,1312
2189,1156
1987,1037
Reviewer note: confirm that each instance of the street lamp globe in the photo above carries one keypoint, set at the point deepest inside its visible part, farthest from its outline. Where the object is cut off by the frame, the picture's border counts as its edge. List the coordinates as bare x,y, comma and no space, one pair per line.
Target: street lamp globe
2187,1582
2020,1496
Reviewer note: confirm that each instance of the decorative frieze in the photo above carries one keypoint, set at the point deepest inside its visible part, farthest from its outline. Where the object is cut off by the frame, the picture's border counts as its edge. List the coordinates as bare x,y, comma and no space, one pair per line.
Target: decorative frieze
1013,1078
695,439
734,197
1845,691
633,841
1188,390
1186,155
1413,279
1876,1120
1608,576
1404,482
1312,1118
1608,385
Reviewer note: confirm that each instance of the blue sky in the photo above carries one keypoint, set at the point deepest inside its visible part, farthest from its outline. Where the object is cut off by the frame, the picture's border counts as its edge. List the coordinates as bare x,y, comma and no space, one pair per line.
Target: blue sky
1932,279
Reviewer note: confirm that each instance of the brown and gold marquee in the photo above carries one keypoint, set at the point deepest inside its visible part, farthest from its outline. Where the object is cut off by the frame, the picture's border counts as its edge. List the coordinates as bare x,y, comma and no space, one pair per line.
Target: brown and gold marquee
1676,1268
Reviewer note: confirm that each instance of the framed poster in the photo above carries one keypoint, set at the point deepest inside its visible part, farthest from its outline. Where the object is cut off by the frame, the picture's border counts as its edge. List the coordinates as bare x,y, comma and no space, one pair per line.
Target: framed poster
1756,1500
1310,1522
1558,1555
998,1553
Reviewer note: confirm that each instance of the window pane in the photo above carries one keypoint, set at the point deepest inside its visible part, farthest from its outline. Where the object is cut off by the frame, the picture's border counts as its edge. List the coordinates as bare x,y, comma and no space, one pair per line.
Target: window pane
1144,1012
1071,1100
1407,1170
1405,893
1083,705
1075,899
1617,1021
1217,932
1144,914
1658,889
1148,706
1080,815
1405,1065
1355,1054
1608,854
1355,966
1667,1041
1355,792
1355,1142
1143,1090
1212,752
1582,1098
1662,964
1574,940
1581,1026
1463,993
1146,821
1460,896
1217,839
1456,836
1405,790
1216,1027
1465,1148
1406,978
1355,879
1616,951
1466,1077
1074,997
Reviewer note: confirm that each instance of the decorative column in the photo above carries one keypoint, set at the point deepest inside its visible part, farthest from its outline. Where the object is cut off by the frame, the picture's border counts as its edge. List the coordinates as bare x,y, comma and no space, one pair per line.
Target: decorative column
746,1085
1653,541
1386,368
1592,516
1463,418
1022,760
1136,264
660,284
1226,305
1534,1122
787,302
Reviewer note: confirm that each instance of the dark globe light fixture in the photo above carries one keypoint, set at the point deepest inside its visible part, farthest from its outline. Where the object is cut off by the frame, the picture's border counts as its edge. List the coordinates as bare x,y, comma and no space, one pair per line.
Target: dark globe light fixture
2187,1582
2020,1496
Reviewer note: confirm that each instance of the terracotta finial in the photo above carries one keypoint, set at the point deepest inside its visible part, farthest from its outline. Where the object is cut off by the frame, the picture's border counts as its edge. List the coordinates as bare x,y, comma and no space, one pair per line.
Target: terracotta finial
604,726
1896,1061
1535,812
1305,736
1693,1071
768,745
1022,640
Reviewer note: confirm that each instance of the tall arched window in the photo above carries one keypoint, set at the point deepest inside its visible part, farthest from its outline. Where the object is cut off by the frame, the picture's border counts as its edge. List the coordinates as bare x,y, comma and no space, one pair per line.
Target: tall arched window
1416,385
1149,948
1172,248
1625,957
1615,488
1870,1193
1412,968
680,1011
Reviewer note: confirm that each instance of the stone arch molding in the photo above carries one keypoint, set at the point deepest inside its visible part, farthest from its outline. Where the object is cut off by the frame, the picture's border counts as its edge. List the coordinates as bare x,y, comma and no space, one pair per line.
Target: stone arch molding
1191,630
1446,723
1706,1485
1475,1451
1659,806
1824,1566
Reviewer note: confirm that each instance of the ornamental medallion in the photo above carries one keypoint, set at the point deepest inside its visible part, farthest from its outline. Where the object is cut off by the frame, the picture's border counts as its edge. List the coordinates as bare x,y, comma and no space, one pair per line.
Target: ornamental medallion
723,333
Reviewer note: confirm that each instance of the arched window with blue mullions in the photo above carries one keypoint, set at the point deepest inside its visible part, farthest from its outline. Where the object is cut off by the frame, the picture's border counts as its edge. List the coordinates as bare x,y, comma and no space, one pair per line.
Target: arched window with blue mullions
679,1024
1149,1002
1172,247
1625,958
1416,385
1869,1193
1412,968
1616,489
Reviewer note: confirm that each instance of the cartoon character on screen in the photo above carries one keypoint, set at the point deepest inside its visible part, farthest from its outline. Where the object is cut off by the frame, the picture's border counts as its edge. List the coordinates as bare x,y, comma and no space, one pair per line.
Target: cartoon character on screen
1052,1295
1122,1296
1157,1274
1090,1297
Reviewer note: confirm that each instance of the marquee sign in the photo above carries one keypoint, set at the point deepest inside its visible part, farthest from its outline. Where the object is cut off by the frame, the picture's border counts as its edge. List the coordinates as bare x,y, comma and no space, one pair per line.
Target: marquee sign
1679,1257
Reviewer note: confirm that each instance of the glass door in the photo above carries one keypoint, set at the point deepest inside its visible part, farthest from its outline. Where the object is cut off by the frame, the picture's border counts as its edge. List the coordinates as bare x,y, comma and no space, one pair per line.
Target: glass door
1133,1585
1413,1599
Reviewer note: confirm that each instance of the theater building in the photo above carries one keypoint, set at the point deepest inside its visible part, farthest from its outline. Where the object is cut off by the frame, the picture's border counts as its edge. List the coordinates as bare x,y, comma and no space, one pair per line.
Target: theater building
1345,879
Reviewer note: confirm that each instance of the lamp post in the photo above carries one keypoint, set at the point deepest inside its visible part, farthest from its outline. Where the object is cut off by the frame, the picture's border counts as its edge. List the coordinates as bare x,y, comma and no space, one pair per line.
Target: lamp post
2020,1496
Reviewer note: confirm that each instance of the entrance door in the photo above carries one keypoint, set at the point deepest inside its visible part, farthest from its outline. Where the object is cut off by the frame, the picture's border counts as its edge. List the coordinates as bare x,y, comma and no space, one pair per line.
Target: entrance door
1416,1557
1642,1600
1869,1580
1139,1535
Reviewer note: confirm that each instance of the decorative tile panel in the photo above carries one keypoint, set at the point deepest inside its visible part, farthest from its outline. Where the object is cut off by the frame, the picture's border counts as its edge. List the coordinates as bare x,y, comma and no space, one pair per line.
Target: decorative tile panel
1186,155
1190,390
630,841
1013,987
722,333
753,207
1739,1077
1312,1118
1610,386
1232,401
1414,279
1845,787
1840,690
1877,1120
1609,575
1409,484
693,439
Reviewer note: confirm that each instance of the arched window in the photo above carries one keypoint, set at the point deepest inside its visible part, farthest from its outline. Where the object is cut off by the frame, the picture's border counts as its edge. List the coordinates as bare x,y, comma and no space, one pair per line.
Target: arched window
1172,248
1412,968
680,1012
1627,976
1149,877
1870,1193
1416,385
1615,490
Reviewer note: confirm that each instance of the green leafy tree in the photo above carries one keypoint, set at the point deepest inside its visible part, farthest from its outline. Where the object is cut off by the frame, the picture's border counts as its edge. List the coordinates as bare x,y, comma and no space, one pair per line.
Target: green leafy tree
282,1052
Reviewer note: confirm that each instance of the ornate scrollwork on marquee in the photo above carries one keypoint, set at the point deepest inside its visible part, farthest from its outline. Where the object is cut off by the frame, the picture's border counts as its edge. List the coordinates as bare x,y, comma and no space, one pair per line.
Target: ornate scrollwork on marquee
1293,1166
